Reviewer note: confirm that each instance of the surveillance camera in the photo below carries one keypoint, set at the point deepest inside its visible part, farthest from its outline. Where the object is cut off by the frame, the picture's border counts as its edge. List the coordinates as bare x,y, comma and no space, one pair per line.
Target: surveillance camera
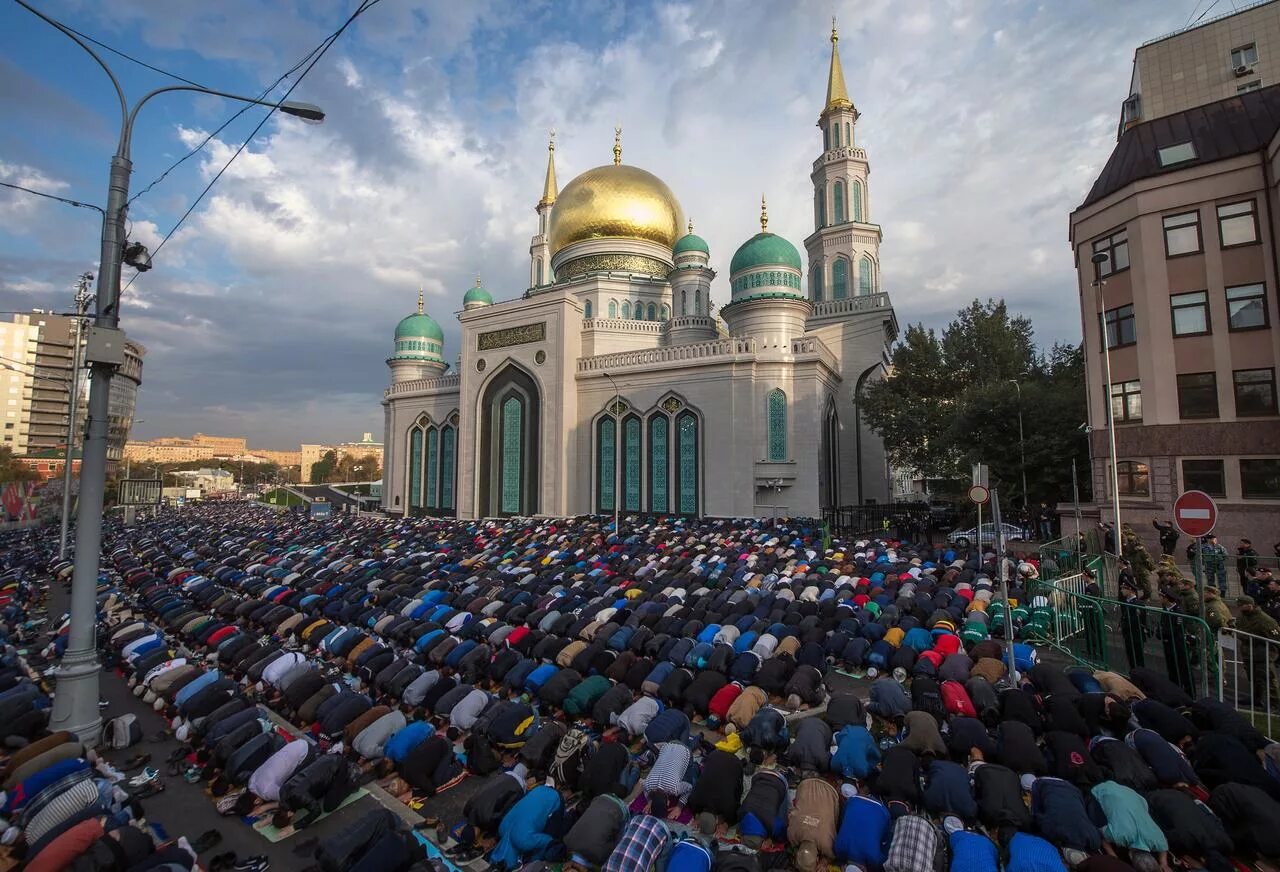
1085,428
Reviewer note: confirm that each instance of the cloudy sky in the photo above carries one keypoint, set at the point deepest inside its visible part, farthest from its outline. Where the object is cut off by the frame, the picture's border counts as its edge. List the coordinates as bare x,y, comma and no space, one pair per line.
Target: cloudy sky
269,313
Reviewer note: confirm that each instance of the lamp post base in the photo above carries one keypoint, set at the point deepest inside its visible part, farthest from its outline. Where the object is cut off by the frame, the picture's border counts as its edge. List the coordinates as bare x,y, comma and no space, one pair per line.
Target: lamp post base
75,699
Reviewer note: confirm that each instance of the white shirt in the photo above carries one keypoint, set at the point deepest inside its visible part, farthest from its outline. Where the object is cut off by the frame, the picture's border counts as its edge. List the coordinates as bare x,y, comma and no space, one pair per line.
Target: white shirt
468,709
278,668
267,779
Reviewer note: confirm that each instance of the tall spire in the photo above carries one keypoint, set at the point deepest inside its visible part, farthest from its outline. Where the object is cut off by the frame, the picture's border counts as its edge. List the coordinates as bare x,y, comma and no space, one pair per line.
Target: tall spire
549,187
837,93
764,216
617,145
419,299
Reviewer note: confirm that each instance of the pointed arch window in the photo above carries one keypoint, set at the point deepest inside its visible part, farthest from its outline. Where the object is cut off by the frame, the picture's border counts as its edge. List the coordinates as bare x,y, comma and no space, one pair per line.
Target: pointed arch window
687,464
856,198
666,312
835,134
815,283
866,277
448,445
820,208
831,447
653,312
659,463
433,466
415,468
606,457
848,134
512,455
839,279
539,270
838,197
626,310
632,471
613,308
826,139
776,415
586,310
639,310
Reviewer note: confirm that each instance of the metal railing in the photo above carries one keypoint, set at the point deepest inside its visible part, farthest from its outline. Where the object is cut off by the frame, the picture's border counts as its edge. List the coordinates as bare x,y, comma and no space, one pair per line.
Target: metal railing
871,518
1248,677
1105,633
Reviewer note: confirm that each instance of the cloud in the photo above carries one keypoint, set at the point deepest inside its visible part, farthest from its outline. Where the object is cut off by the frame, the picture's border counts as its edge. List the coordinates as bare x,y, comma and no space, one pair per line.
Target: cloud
270,312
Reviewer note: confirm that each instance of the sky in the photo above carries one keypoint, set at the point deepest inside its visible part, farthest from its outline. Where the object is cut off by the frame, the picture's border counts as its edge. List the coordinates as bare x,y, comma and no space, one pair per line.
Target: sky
269,312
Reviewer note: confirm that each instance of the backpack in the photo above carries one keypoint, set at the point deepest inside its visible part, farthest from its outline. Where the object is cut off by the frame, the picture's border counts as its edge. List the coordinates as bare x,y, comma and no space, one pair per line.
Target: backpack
566,766
540,749
481,758
122,732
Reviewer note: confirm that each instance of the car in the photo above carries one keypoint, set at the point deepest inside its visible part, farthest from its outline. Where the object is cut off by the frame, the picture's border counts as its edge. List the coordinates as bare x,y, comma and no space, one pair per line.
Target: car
1010,531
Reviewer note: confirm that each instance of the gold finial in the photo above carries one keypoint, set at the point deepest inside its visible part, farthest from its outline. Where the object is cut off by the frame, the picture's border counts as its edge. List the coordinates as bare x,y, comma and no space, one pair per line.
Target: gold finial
837,93
419,299
690,226
549,187
764,216
617,144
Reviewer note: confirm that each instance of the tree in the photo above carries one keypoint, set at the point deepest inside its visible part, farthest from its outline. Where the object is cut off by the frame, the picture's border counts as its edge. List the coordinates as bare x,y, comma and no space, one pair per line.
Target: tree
951,401
322,470
13,470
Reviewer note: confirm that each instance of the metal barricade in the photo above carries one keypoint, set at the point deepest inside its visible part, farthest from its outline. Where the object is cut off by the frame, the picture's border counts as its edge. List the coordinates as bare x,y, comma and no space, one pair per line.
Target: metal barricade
1110,634
1249,677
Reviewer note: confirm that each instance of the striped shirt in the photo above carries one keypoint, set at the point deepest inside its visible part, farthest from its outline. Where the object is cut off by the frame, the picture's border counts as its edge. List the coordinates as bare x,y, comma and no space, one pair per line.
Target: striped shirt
81,795
667,774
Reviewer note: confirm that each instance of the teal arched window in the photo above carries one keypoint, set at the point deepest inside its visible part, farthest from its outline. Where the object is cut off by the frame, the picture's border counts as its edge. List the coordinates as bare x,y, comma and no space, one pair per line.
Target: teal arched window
687,464
626,309
835,134
511,432
539,266
856,197
866,277
639,310
665,312
659,463
815,283
448,440
838,196
415,468
839,279
684,302
586,309
613,308
826,140
653,312
433,465
606,457
631,469
776,411
820,209
848,134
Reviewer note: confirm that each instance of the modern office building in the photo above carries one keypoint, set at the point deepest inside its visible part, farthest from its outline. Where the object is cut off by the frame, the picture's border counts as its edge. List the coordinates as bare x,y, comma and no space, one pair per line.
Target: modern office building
1182,225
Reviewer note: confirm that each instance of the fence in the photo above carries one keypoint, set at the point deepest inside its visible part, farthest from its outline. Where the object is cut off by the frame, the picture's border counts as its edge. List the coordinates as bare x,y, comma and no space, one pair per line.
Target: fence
868,519
1067,555
1247,677
1105,633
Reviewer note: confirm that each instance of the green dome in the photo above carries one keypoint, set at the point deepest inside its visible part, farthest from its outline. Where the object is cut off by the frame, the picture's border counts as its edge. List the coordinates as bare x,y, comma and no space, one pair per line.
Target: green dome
691,242
765,249
419,326
477,295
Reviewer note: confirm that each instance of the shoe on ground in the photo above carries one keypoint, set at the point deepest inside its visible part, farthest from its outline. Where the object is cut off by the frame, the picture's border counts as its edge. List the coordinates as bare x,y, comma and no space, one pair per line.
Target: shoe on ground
257,863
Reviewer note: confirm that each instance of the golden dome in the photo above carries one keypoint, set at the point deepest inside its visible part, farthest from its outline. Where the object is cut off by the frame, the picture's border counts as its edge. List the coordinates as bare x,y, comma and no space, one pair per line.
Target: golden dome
619,201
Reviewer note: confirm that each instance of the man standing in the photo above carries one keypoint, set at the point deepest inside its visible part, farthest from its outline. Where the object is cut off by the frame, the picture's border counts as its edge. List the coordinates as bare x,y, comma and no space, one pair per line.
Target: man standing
1216,613
1168,536
1215,564
1259,654
1246,561
1044,518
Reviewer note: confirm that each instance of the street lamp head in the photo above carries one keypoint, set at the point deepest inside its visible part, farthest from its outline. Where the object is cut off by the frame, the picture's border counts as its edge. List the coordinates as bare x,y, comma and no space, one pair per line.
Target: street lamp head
137,256
305,111
1101,257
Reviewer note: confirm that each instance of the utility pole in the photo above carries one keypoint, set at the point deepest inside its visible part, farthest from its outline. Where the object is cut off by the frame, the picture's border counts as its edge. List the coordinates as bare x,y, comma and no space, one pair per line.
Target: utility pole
73,401
1004,585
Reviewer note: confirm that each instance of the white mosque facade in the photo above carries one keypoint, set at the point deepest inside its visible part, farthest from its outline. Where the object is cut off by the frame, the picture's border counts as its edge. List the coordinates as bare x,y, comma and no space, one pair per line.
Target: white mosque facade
609,382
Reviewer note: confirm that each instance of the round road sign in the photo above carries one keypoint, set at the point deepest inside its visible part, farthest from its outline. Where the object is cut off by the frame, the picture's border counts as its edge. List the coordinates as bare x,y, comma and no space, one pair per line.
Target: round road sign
1195,513
979,494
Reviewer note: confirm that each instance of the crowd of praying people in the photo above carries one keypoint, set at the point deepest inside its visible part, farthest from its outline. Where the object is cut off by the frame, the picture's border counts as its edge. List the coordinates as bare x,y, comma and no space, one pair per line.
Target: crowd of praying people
681,694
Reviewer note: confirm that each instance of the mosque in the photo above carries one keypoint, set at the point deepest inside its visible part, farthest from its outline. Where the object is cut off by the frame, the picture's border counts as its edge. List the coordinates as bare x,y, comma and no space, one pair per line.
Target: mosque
611,384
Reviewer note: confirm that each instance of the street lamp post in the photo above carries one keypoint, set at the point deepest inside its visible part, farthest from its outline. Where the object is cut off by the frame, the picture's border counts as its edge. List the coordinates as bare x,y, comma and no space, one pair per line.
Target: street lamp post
1022,449
73,400
1098,260
617,453
75,701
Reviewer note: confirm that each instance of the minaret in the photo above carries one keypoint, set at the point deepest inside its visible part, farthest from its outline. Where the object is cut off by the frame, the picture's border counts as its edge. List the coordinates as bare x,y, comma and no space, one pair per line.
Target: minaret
844,248
539,250
691,319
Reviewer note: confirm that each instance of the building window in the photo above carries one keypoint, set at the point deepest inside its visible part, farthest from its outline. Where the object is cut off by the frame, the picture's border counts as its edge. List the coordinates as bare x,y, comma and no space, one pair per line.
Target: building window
815,283
626,310
1126,401
776,415
1198,395
1255,85
1182,234
653,312
447,439
511,432
415,468
839,278
820,208
1255,391
1121,327
1176,154
586,310
866,277
1247,307
1131,109
1134,478
1190,313
1237,224
1260,479
838,197
1116,248
613,308
631,469
659,463
639,311
433,465
855,189
1244,57
665,312
606,457
1205,475
687,464
826,139
539,282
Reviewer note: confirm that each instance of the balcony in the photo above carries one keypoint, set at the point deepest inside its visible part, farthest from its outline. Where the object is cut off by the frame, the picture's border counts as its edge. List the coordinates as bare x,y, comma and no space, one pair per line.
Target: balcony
626,325
715,351
851,305
450,382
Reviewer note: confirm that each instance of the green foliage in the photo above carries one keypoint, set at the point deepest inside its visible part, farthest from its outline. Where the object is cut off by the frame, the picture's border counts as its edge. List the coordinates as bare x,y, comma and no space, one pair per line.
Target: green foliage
333,467
13,470
951,401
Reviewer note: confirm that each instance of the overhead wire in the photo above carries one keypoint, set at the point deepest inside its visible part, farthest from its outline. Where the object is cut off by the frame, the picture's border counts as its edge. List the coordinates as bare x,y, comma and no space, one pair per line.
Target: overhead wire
324,47
66,200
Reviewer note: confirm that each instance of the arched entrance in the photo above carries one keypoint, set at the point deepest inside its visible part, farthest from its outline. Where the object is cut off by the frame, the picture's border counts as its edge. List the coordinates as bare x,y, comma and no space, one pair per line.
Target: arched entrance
508,469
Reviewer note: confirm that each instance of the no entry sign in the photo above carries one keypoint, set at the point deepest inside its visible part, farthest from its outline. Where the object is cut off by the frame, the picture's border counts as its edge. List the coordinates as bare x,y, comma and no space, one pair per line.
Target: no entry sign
1195,513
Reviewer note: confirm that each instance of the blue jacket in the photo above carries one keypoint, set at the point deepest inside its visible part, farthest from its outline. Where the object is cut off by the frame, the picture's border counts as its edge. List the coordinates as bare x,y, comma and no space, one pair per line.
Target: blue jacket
522,834
857,755
947,790
864,832
406,739
973,852
1028,853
